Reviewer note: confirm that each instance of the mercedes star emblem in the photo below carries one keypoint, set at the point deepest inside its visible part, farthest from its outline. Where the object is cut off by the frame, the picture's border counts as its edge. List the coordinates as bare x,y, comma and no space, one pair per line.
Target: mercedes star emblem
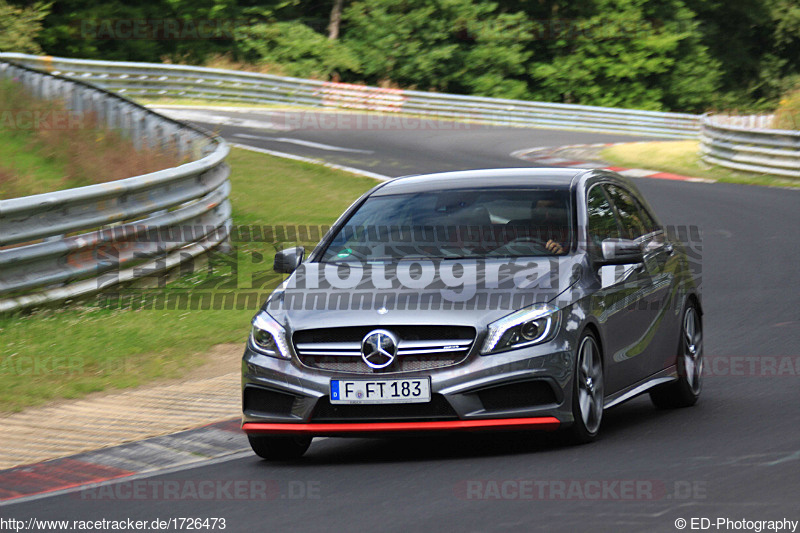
379,348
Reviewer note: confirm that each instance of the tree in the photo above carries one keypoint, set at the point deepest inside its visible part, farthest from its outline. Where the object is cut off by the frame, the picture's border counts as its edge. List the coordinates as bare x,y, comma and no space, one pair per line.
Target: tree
19,27
448,45
683,55
628,53
297,48
336,20
103,30
757,43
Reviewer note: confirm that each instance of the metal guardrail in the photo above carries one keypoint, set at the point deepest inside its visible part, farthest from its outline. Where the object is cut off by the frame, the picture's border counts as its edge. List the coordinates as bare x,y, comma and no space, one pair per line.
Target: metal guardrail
65,244
738,143
68,243
179,81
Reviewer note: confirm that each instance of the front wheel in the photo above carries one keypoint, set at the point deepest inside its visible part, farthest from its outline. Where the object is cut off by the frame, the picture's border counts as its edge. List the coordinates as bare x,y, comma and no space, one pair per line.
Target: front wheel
279,448
587,391
686,390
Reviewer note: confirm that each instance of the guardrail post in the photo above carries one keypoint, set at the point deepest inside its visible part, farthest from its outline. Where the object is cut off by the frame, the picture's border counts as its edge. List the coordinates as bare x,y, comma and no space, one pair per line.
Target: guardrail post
77,100
137,129
108,111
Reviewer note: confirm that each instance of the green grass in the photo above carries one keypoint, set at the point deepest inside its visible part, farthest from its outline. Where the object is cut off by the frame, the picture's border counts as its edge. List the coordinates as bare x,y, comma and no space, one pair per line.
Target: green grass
73,350
682,157
40,173
44,147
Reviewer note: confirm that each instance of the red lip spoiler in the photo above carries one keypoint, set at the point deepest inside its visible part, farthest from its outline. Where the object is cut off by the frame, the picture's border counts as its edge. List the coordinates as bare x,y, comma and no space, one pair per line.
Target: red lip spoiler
547,423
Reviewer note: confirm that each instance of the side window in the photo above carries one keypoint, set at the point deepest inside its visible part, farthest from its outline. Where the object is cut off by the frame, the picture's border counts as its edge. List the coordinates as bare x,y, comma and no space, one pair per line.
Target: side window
602,222
629,217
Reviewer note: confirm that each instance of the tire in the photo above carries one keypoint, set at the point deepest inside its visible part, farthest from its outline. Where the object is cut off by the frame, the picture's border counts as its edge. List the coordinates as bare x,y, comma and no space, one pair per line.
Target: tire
587,391
279,448
686,390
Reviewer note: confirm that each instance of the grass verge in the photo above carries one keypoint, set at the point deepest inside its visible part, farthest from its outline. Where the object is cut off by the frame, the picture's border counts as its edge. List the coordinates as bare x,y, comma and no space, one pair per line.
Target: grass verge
73,350
682,157
44,147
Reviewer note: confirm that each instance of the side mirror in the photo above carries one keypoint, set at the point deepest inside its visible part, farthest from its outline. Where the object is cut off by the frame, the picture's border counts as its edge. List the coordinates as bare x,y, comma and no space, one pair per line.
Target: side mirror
621,252
287,261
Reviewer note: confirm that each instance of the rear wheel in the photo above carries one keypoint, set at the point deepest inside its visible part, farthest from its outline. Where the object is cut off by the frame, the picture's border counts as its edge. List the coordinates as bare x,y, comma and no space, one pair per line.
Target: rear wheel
686,390
587,391
279,448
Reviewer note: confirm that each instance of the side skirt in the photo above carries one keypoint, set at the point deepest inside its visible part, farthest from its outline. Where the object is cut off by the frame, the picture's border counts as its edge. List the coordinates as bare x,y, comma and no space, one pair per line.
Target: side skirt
659,378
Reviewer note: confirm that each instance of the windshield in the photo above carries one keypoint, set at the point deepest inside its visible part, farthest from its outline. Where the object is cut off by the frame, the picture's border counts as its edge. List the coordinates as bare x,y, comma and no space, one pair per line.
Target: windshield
456,224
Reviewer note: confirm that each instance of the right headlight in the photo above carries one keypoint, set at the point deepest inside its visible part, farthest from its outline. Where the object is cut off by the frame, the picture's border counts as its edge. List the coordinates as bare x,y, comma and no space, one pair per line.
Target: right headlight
269,337
532,325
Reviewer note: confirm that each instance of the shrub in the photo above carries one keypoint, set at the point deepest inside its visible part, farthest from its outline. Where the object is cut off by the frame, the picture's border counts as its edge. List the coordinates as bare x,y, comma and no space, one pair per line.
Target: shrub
787,116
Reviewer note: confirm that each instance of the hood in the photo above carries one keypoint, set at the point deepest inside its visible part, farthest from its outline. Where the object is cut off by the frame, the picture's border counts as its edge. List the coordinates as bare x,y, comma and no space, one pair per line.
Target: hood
443,292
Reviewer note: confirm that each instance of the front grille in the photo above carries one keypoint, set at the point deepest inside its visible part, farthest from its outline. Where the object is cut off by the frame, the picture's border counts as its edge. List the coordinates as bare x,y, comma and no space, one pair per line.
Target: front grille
267,402
517,395
419,347
437,409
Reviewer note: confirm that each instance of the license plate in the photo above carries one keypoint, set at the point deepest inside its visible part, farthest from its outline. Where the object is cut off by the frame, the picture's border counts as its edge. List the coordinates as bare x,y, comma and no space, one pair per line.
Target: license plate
381,390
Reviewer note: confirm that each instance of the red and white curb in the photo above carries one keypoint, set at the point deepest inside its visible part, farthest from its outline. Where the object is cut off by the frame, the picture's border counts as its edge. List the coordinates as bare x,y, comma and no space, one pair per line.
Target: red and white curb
543,156
214,442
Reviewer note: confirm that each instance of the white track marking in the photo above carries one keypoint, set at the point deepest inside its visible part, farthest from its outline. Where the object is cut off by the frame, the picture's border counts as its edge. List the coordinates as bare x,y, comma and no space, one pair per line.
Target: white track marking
196,115
284,155
301,142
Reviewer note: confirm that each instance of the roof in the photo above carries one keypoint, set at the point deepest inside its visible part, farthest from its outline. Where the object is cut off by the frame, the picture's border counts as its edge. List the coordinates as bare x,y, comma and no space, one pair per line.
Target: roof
481,179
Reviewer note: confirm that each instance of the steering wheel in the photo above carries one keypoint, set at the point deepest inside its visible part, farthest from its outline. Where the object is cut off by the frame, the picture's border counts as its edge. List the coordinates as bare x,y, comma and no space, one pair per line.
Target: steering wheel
535,243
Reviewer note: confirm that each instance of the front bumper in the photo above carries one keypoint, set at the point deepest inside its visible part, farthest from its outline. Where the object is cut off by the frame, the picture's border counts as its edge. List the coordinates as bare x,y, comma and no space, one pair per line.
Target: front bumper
528,388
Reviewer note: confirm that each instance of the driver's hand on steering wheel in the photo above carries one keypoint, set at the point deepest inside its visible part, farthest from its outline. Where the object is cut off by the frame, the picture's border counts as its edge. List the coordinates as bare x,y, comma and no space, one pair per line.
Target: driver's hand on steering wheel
554,247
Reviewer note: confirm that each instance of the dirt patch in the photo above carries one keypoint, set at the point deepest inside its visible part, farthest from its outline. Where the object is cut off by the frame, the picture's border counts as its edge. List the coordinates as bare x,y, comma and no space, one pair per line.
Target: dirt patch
220,360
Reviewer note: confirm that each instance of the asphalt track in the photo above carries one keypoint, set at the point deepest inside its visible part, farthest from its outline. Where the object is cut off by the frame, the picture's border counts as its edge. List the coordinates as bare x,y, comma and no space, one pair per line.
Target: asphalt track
735,455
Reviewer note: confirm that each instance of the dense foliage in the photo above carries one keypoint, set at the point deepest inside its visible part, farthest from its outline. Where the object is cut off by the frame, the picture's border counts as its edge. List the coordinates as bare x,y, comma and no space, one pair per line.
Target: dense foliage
19,26
686,55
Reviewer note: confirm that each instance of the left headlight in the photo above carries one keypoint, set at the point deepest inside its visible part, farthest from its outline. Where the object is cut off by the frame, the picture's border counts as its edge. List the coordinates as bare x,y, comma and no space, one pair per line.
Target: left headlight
269,337
533,325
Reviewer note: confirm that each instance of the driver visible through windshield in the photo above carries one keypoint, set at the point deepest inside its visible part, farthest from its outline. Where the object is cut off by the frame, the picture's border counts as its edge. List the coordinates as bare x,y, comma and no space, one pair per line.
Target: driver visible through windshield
456,224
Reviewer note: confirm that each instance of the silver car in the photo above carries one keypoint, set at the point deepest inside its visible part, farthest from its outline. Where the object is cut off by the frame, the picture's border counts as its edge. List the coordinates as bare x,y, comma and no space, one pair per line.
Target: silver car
479,300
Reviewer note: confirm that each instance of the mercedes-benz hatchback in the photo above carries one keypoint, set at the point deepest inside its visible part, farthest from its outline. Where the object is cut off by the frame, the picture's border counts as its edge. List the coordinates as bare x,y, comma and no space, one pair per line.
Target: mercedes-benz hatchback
479,300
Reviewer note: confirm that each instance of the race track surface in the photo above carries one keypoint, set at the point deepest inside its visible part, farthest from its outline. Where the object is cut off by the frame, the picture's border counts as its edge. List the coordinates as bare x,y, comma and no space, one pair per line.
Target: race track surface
736,454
